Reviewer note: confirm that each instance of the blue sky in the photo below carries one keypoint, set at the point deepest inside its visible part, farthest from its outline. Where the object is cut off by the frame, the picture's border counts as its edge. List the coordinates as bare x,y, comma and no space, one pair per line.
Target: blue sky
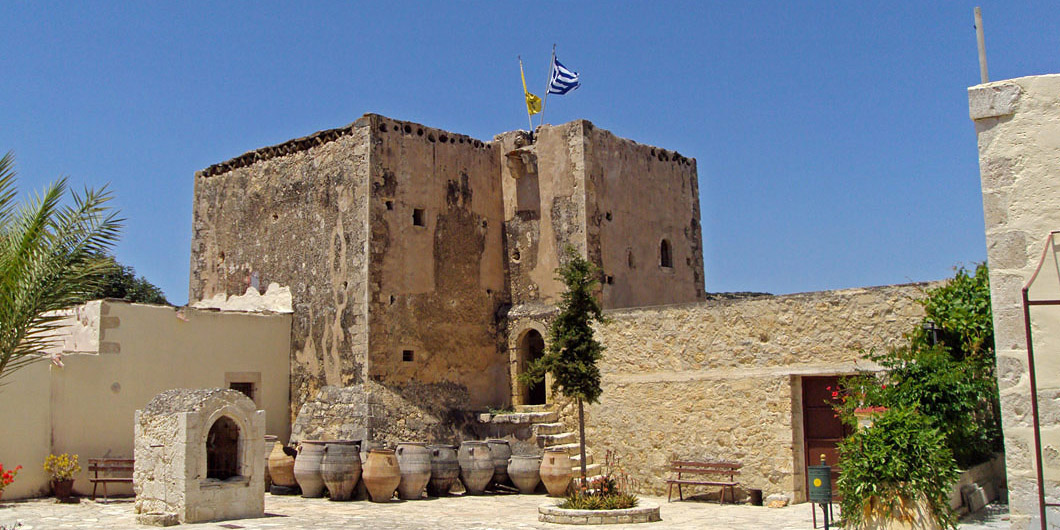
833,140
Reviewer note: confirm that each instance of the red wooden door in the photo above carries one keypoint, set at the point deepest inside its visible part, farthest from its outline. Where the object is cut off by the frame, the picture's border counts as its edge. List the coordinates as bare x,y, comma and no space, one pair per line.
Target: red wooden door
822,429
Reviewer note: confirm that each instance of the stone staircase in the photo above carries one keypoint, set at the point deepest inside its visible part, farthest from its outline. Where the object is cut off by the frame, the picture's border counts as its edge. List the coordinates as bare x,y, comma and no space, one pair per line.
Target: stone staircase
547,432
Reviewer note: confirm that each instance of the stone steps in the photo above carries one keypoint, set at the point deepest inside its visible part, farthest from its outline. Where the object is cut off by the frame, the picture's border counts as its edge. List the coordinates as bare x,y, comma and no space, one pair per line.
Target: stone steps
540,429
533,408
550,440
521,417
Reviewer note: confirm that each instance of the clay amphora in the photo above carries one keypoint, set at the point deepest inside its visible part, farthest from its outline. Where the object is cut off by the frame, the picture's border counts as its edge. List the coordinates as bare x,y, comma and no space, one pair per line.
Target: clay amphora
525,472
270,441
381,475
281,466
556,471
476,466
307,468
341,468
445,469
414,461
500,452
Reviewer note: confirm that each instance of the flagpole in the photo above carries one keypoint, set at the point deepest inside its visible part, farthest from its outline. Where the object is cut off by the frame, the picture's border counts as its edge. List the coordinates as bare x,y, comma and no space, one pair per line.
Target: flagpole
528,115
548,83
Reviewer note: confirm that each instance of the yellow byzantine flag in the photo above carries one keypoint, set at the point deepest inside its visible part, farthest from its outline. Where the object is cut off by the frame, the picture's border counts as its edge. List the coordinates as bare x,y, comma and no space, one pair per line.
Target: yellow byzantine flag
533,103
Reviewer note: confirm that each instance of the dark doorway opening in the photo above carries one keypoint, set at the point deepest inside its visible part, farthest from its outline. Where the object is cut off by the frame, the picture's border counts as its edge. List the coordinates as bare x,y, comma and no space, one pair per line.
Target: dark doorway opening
534,348
222,449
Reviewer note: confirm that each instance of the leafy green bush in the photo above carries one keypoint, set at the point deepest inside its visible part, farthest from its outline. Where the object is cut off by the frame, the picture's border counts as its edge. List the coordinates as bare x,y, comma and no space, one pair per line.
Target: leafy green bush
890,465
946,373
611,491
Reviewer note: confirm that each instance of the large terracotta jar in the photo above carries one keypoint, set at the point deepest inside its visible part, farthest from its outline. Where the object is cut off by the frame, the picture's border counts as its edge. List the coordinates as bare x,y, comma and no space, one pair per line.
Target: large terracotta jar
500,452
414,461
381,475
476,466
341,468
270,441
281,466
525,472
556,471
445,469
307,468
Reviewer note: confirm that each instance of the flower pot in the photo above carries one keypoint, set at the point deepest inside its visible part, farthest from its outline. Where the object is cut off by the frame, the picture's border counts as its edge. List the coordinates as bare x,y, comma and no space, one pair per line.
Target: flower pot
525,472
414,462
381,475
340,468
476,466
270,441
500,451
63,488
556,471
307,468
281,467
867,415
445,469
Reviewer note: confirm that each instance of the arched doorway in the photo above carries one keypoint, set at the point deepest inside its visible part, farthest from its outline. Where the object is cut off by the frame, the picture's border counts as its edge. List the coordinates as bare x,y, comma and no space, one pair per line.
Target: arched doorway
222,449
532,347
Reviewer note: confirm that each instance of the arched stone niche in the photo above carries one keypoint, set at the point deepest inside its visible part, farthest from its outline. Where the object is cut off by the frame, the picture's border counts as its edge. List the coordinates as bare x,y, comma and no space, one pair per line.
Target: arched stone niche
526,344
199,456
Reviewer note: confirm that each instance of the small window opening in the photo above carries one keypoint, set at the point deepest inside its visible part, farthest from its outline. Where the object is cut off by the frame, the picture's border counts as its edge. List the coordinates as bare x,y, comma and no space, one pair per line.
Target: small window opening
222,449
666,258
608,216
407,356
389,205
417,217
609,279
515,256
246,388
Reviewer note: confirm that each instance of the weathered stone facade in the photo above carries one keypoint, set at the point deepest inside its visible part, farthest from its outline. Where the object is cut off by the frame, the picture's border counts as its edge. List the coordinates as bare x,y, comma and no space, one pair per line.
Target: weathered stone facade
422,263
722,380
296,215
1017,122
405,247
199,457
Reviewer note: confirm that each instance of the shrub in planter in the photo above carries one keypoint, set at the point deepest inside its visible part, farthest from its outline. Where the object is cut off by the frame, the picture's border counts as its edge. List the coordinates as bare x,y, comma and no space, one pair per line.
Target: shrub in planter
893,468
611,491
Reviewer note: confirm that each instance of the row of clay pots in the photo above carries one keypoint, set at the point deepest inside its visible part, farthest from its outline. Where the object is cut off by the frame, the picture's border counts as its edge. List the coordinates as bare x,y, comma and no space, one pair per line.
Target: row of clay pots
412,467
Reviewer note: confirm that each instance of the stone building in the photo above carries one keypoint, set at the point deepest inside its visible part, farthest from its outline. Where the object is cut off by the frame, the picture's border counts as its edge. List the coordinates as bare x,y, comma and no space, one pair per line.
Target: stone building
406,248
421,266
1017,122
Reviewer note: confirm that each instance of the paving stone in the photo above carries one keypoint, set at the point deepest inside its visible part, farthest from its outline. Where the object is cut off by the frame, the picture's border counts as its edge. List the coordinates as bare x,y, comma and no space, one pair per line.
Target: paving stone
451,513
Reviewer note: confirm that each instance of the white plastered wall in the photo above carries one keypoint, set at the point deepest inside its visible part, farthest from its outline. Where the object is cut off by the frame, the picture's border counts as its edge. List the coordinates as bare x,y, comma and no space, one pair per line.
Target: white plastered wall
87,406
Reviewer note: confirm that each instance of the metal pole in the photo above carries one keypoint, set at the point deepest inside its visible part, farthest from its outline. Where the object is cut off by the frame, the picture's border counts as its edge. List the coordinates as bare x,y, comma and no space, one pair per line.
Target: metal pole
525,100
548,83
1034,408
982,45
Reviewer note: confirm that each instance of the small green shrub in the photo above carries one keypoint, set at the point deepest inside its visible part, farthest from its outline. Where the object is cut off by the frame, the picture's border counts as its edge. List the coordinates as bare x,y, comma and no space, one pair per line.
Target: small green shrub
611,491
887,467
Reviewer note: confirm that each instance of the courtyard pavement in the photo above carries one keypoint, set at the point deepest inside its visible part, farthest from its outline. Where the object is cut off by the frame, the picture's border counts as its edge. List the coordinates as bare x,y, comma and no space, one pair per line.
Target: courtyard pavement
471,513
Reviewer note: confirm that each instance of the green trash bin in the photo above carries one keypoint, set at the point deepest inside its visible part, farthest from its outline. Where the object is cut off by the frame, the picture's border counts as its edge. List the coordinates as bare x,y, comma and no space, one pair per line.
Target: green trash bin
820,484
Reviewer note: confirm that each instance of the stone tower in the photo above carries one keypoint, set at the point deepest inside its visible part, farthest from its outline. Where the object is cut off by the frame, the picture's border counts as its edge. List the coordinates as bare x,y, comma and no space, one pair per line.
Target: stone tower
417,257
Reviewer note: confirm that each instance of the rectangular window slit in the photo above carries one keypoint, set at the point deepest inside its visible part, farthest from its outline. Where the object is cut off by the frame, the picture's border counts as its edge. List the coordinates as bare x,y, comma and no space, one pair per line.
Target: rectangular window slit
406,355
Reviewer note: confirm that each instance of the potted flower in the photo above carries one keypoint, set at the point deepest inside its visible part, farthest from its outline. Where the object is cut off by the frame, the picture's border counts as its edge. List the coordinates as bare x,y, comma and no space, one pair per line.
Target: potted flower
62,469
7,477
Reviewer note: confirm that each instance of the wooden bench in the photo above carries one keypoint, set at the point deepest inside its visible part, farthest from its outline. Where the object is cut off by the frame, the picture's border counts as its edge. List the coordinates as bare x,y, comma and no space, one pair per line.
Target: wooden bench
107,470
704,474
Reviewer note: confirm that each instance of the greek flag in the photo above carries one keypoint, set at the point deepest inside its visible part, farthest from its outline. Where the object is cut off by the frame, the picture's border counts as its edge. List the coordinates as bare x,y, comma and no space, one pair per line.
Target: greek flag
562,80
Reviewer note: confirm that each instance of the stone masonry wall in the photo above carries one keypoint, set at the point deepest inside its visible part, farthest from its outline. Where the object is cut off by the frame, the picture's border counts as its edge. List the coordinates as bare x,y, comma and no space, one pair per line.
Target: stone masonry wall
295,214
1018,127
637,196
720,380
436,273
